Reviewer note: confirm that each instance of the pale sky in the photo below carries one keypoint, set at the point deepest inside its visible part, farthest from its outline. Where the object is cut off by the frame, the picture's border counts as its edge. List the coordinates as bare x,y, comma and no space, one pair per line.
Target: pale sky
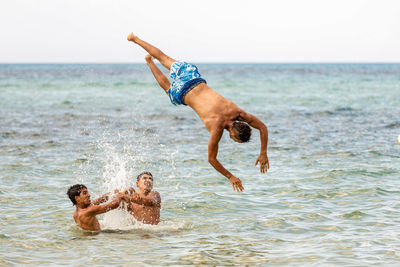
94,31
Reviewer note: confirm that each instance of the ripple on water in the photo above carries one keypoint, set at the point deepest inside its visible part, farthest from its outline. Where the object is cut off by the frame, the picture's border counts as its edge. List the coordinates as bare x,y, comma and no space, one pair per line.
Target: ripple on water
276,222
328,228
355,215
339,193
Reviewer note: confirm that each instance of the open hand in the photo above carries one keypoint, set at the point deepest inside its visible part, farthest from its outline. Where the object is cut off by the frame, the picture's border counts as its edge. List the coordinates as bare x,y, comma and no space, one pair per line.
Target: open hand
236,184
264,162
123,196
131,191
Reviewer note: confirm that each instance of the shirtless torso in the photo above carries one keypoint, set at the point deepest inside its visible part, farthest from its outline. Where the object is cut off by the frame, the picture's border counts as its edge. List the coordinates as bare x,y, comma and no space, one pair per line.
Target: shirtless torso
85,220
218,114
147,212
214,110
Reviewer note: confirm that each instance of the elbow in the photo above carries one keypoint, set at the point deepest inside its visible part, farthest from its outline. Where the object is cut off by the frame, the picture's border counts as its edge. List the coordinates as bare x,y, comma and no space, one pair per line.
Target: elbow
212,160
264,130
263,127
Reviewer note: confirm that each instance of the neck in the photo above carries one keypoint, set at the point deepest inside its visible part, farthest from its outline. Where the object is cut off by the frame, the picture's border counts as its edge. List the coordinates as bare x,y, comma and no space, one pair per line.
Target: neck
82,206
229,125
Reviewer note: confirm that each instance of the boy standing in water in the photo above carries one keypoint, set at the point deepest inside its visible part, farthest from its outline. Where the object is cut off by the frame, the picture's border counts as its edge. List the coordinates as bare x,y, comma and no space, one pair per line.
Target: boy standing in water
145,205
86,210
216,112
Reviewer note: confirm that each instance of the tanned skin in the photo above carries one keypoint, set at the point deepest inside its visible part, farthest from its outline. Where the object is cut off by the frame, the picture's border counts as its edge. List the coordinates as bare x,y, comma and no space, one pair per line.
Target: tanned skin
145,205
216,112
86,210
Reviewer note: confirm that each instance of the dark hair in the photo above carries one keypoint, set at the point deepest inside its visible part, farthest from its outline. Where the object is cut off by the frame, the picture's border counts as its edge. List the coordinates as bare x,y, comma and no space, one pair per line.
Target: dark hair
243,129
74,191
143,173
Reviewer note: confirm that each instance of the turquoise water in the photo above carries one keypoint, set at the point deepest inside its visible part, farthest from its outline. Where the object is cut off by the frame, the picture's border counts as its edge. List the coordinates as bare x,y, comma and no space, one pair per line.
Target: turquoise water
330,198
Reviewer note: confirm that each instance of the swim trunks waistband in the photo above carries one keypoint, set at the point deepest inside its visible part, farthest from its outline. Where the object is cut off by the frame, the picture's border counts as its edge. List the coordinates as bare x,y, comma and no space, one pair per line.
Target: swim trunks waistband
188,86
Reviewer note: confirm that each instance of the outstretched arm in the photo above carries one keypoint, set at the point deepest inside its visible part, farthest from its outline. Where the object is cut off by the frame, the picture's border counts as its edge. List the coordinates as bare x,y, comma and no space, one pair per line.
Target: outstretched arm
99,209
100,200
254,122
212,159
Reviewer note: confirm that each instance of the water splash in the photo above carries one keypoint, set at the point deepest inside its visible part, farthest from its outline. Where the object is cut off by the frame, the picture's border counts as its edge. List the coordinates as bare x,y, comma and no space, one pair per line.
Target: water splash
118,219
117,170
122,220
123,155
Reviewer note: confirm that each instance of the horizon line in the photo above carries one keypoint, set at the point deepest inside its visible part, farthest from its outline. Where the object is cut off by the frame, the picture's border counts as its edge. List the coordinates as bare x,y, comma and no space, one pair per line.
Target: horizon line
204,62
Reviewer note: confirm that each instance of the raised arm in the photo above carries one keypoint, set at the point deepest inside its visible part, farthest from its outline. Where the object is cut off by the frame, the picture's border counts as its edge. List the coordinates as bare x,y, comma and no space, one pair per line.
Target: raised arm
153,199
215,137
254,122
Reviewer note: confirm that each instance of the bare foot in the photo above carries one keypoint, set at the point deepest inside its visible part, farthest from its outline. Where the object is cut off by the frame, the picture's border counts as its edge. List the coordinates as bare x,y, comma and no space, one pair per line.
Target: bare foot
132,38
148,58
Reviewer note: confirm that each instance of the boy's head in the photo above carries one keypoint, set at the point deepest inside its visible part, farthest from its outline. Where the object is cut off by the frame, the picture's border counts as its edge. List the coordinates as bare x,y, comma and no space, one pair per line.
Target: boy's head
145,181
75,191
240,132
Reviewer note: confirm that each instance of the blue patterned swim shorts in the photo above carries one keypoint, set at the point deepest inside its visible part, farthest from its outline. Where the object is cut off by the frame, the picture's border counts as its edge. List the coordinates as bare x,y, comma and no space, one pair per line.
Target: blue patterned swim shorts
185,77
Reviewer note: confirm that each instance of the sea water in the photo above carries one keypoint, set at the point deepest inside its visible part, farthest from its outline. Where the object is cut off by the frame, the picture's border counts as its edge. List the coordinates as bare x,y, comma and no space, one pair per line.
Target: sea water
330,198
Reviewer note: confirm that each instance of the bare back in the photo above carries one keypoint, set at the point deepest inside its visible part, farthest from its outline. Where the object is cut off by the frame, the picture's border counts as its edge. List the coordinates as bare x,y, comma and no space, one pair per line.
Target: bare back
213,109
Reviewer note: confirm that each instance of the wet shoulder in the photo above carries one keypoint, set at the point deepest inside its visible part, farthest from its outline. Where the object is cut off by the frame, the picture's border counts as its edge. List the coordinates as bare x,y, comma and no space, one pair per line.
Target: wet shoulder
156,196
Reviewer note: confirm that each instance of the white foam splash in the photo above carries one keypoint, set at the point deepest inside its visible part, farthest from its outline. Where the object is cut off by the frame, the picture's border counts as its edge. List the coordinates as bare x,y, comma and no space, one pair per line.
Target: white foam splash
125,222
116,171
118,219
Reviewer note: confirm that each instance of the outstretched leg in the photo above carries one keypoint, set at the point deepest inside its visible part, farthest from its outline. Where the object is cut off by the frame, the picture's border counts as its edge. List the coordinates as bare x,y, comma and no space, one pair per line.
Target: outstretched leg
160,77
165,60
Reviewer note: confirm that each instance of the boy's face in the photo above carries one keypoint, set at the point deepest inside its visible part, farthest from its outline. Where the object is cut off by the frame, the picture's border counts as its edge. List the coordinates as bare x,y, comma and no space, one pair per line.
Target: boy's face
145,182
234,135
84,197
